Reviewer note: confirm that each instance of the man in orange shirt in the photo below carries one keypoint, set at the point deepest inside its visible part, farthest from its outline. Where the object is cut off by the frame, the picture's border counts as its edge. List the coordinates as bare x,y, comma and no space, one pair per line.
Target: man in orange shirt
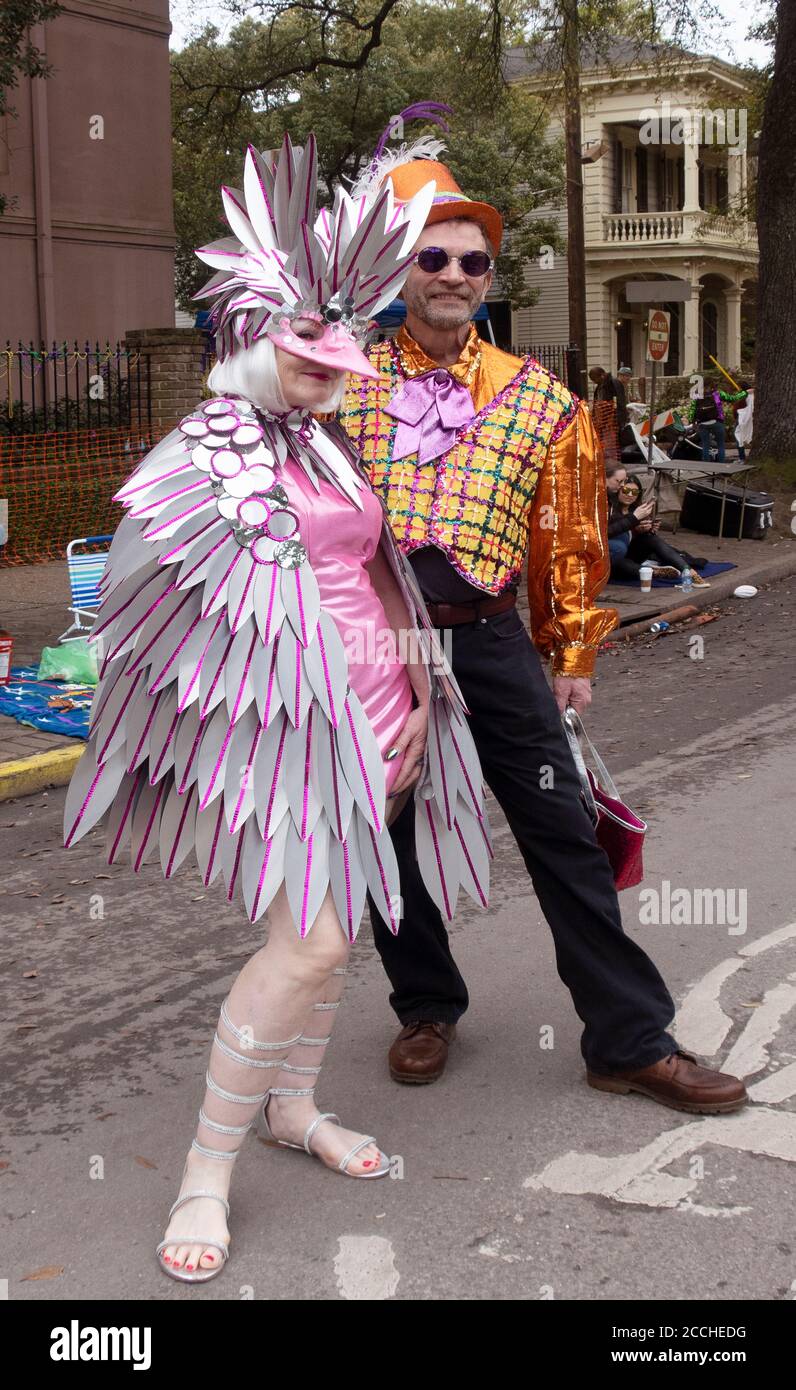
480,458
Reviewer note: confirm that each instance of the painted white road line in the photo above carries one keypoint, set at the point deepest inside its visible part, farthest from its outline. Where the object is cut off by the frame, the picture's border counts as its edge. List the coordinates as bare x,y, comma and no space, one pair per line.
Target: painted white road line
637,1178
751,1052
766,943
365,1268
701,1026
700,1019
781,1085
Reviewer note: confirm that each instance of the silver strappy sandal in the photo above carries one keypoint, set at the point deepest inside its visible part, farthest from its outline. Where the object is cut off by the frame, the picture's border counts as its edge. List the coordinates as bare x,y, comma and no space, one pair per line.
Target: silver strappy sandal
200,1276
264,1129
342,1167
197,1276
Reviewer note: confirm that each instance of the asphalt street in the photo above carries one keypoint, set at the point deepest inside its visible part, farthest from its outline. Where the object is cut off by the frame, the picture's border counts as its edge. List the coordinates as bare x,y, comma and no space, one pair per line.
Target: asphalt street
513,1180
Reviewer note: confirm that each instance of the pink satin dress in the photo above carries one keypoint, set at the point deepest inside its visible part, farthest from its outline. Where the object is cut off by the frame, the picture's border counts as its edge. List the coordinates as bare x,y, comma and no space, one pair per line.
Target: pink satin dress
340,541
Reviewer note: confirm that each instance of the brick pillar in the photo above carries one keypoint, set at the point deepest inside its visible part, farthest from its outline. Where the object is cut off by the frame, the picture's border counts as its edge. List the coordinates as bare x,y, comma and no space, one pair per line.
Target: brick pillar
176,377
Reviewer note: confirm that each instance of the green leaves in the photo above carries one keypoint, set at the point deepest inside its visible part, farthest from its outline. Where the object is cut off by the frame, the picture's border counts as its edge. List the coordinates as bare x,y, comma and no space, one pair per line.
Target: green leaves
227,94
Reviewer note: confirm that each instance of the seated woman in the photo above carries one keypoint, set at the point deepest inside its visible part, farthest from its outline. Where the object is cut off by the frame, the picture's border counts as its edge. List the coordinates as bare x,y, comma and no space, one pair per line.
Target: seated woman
632,533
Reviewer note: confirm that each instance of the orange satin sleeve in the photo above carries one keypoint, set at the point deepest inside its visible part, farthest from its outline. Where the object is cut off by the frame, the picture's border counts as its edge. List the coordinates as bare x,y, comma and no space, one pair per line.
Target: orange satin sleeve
568,559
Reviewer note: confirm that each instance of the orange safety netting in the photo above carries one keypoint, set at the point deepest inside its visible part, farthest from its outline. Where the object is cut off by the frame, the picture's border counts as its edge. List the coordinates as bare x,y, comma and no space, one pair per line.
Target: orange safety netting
605,423
60,486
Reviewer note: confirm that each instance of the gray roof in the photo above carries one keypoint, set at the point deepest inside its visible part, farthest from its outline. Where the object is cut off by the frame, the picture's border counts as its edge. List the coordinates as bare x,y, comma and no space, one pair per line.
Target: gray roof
524,61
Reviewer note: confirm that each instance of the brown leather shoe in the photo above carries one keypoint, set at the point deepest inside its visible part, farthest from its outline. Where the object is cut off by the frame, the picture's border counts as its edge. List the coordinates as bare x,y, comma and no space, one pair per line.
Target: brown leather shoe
679,1082
420,1052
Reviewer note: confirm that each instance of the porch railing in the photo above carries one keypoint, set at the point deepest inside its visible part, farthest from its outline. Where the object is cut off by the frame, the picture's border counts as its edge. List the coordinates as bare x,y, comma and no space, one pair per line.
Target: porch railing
623,228
664,228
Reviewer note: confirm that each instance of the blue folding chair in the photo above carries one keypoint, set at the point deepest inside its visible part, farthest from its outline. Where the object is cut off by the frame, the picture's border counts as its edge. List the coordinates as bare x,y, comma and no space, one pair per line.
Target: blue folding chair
85,573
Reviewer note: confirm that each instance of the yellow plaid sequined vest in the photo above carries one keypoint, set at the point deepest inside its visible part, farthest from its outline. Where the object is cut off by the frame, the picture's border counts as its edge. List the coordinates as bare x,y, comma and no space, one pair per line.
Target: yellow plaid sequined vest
473,502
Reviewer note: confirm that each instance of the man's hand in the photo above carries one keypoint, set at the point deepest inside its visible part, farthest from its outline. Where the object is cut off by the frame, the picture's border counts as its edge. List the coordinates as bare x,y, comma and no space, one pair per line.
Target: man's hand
572,690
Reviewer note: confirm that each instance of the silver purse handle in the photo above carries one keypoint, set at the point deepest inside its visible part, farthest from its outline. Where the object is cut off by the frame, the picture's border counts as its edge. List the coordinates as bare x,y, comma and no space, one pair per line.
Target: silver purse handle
574,730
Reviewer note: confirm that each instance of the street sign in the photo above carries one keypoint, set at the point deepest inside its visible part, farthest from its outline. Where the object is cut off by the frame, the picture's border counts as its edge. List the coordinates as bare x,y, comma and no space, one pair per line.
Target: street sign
657,291
658,336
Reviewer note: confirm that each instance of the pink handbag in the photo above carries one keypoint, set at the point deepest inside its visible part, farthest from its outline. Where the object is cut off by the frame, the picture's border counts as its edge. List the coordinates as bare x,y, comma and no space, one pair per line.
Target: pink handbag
619,830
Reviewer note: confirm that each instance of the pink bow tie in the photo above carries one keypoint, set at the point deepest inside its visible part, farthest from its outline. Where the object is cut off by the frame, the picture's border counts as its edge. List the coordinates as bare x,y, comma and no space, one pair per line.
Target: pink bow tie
431,410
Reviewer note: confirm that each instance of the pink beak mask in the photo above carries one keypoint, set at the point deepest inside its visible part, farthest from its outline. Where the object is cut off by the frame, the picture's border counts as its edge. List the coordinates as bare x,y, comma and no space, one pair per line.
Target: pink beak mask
329,344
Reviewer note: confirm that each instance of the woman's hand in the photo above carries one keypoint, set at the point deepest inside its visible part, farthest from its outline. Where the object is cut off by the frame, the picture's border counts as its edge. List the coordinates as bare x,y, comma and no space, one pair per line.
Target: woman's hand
412,743
644,511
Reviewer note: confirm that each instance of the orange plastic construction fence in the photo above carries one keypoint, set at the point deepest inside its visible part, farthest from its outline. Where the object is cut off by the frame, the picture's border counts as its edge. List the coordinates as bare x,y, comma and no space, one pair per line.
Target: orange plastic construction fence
60,486
605,424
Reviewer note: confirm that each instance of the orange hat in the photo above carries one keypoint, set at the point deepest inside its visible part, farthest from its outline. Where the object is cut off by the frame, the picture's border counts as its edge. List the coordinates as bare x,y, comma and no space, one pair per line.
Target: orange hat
449,201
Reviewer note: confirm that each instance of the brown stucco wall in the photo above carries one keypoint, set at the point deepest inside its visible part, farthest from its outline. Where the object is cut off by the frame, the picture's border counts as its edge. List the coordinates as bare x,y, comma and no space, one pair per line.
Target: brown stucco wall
87,250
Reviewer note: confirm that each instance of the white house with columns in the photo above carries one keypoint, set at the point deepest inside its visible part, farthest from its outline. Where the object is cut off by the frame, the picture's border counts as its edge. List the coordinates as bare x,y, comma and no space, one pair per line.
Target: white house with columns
665,196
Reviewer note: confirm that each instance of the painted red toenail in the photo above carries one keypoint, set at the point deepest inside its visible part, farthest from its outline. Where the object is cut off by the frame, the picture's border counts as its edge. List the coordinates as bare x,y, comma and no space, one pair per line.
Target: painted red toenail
167,1259
189,1266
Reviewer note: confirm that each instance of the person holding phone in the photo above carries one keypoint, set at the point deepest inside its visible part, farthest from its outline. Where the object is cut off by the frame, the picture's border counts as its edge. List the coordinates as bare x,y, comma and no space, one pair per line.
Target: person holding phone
633,533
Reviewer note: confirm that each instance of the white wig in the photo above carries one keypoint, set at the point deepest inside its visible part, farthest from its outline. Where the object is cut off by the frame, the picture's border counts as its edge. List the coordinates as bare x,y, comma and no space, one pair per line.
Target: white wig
253,373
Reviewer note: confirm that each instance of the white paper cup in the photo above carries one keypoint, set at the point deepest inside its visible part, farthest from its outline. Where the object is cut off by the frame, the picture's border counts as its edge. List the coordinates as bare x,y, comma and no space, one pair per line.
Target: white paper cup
645,579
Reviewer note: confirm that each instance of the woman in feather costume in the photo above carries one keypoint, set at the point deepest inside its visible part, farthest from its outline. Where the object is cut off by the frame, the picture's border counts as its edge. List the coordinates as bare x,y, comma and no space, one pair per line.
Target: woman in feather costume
249,709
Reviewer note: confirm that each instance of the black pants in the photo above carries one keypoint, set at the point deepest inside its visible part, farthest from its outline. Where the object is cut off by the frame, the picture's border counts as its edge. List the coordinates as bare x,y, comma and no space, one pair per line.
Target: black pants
617,991
646,545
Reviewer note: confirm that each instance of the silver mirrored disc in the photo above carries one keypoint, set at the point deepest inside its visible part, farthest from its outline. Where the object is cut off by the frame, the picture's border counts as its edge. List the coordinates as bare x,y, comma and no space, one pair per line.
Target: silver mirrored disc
290,554
277,494
220,406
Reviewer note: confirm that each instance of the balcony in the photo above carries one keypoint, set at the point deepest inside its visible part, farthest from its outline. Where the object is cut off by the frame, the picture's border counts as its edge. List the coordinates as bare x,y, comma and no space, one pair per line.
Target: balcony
645,229
635,228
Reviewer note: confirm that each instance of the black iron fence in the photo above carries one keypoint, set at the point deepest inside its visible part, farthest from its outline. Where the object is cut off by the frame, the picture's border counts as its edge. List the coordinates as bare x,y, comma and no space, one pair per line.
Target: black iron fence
556,357
73,388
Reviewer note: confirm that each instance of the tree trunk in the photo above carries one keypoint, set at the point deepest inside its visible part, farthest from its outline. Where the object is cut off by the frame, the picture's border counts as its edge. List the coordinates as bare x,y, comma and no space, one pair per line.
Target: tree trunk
775,368
576,245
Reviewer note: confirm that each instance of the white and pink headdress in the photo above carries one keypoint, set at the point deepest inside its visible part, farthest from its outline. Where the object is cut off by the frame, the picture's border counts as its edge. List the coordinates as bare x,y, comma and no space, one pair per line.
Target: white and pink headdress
339,268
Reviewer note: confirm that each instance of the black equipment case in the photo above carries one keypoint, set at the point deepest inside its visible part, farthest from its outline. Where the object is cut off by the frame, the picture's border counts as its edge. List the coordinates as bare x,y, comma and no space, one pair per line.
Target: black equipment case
702,511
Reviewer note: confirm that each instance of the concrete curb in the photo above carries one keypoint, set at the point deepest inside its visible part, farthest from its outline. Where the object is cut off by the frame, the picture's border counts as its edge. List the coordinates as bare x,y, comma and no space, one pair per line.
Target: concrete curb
723,586
54,768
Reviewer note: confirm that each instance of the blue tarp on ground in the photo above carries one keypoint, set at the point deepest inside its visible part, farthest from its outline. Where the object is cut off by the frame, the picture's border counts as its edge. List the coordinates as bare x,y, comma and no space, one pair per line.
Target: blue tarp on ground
60,707
713,567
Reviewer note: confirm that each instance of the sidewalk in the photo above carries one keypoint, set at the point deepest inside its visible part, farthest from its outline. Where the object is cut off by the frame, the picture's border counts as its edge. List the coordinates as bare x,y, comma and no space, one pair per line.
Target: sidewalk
33,607
758,562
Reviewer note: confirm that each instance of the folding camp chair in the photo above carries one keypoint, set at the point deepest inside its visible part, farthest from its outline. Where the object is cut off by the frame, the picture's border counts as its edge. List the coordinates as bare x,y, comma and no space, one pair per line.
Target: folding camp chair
85,573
